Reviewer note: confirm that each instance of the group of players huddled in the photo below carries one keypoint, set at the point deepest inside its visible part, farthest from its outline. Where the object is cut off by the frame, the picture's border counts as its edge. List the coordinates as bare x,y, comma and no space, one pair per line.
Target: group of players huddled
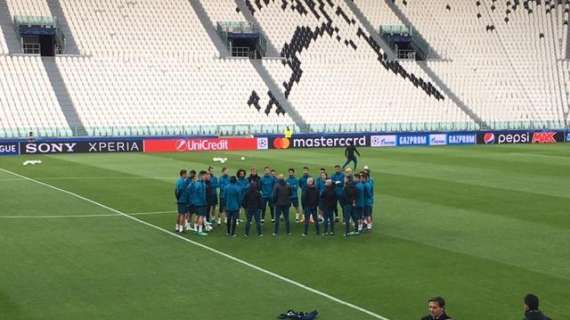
199,194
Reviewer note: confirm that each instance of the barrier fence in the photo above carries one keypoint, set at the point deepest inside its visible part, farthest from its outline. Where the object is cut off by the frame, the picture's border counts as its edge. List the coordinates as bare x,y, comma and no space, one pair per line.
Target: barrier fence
266,142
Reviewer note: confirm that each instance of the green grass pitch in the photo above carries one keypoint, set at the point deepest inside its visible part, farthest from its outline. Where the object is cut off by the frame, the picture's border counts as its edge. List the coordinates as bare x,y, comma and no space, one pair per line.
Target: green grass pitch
480,225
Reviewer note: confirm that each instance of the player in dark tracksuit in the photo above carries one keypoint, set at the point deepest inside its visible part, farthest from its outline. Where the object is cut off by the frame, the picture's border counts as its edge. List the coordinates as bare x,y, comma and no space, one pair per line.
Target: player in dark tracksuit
252,204
348,202
338,181
282,201
223,182
310,197
361,201
350,153
329,200
181,194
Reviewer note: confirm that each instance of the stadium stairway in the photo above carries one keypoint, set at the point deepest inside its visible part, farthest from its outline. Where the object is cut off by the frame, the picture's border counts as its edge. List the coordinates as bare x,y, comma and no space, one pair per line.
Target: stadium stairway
209,27
57,11
370,29
63,96
275,91
423,65
8,29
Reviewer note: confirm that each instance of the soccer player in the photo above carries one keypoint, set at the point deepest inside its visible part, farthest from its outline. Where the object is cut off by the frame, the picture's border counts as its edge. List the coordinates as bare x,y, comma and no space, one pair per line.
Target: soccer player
350,153
210,200
293,183
369,188
436,308
223,182
338,181
303,185
267,183
531,311
252,203
191,208
254,177
213,201
181,193
282,201
329,203
310,197
320,184
244,185
199,202
360,201
348,201
232,197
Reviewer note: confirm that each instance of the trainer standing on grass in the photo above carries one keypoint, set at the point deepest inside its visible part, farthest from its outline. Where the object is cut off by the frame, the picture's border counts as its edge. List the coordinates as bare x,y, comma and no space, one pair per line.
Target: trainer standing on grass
531,311
282,201
181,193
252,204
350,153
310,197
329,199
436,307
232,198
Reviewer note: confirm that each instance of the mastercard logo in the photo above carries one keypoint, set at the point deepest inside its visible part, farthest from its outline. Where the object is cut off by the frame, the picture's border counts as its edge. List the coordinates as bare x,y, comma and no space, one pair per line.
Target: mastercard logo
281,143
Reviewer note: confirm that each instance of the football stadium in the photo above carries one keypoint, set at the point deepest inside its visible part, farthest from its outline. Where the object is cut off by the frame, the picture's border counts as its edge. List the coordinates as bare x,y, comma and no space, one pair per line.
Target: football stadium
284,159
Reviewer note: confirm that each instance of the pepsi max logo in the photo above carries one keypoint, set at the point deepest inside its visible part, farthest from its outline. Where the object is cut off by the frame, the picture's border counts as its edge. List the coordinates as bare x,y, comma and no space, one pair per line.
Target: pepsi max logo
489,138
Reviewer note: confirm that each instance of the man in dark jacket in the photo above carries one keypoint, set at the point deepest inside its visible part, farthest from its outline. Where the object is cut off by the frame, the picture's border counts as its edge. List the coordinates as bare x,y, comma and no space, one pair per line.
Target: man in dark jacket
348,202
329,200
436,308
350,153
310,198
252,204
282,202
254,178
531,311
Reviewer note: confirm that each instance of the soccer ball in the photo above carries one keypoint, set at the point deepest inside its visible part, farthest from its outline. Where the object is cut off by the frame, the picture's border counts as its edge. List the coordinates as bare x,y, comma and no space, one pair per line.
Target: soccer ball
242,158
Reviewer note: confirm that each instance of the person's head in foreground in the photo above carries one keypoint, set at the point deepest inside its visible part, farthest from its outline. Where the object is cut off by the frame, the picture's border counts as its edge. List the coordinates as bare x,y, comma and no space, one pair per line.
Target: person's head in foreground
436,308
531,310
267,171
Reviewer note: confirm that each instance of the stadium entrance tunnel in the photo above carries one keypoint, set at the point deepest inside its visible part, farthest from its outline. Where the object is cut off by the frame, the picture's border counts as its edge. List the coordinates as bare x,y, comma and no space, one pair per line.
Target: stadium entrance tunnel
39,35
242,39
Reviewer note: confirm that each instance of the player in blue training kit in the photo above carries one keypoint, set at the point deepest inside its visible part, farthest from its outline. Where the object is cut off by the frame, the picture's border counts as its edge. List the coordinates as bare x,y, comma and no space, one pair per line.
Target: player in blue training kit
293,183
213,196
267,183
303,183
338,181
223,182
181,193
369,187
360,201
232,198
199,202
243,183
191,208
320,184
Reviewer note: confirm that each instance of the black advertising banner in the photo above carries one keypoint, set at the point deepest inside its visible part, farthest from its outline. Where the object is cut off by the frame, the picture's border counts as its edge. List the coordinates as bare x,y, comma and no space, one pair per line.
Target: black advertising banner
520,137
81,146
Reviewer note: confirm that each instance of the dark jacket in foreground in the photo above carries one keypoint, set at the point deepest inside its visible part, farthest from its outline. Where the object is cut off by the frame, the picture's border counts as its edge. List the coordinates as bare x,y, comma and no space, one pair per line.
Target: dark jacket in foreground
535,315
252,199
282,194
444,316
329,197
310,196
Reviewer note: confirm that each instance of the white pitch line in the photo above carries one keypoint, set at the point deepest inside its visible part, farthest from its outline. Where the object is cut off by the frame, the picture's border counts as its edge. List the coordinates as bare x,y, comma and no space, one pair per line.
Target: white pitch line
198,244
76,216
70,216
150,213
